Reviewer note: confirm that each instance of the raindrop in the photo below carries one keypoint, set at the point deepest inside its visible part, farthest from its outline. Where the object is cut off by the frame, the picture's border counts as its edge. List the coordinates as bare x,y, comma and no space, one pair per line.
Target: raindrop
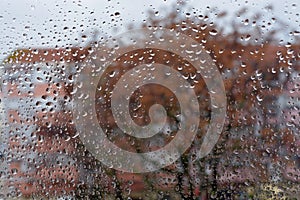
213,32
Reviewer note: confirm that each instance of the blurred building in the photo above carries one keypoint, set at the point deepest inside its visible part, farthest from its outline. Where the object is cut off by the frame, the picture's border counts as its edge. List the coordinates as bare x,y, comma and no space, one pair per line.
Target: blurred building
35,109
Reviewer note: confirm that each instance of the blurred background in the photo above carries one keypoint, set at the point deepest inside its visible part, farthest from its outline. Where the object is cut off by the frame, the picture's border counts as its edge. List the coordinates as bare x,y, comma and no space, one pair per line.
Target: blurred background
45,47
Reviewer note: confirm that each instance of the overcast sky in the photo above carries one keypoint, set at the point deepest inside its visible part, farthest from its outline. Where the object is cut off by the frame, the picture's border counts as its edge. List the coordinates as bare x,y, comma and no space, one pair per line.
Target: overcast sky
40,23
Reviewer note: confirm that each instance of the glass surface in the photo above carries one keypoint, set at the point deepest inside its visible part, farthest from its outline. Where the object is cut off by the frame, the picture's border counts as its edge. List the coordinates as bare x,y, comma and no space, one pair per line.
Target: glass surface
149,100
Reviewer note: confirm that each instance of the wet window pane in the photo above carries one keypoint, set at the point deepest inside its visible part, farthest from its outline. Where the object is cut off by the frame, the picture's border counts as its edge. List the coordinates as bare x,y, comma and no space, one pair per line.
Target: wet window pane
149,100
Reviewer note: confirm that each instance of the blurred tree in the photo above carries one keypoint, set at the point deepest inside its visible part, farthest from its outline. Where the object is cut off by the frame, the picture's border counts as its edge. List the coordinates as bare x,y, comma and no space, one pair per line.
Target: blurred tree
253,65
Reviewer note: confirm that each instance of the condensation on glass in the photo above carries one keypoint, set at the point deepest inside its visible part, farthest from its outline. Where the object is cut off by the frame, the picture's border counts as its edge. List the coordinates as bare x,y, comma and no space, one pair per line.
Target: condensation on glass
52,54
